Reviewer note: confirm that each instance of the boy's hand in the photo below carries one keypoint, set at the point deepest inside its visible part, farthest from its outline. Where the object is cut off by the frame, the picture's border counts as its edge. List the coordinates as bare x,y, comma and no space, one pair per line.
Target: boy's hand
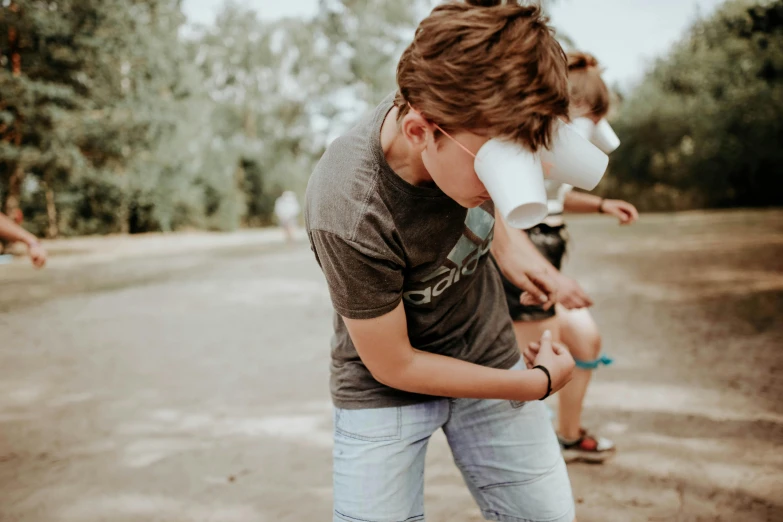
569,294
622,210
552,356
530,353
521,263
539,289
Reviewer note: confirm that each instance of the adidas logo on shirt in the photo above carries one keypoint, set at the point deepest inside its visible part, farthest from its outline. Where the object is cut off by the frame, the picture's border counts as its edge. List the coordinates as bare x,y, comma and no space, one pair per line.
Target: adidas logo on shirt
463,259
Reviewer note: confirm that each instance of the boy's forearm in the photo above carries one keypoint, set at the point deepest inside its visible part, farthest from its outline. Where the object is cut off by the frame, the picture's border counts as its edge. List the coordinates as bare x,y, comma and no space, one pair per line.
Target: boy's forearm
432,374
13,232
581,203
385,348
509,242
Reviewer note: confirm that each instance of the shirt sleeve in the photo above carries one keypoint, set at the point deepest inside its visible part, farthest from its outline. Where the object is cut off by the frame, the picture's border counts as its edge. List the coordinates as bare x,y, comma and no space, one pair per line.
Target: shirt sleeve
363,283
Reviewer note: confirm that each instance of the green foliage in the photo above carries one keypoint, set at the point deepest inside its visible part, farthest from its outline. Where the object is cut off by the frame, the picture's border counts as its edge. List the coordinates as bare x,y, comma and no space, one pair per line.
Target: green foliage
132,125
94,92
115,118
704,127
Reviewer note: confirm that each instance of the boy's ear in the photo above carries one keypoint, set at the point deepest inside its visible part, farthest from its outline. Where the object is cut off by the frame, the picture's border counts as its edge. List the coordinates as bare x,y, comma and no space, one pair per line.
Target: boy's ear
417,130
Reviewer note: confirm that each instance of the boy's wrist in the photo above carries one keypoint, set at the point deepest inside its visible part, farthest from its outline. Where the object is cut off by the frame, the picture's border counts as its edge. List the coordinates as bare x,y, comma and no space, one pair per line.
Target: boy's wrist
537,385
545,371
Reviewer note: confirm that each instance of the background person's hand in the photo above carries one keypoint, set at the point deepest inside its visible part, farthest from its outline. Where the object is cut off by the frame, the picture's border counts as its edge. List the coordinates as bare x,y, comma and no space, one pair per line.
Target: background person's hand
570,294
555,358
37,254
622,210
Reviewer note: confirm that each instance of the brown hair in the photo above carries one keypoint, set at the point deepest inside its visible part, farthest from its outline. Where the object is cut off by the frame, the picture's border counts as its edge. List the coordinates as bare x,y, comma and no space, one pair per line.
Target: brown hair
588,91
486,65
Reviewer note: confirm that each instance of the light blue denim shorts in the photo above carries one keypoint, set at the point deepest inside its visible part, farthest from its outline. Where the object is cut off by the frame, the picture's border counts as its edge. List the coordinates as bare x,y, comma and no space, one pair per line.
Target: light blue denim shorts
507,452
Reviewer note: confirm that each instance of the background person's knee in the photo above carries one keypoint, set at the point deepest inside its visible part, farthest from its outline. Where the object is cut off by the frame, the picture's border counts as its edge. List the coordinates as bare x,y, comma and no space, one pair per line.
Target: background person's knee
593,343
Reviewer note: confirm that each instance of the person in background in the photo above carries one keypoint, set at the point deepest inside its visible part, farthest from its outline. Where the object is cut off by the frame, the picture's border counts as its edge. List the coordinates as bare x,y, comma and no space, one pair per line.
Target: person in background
287,211
12,232
570,321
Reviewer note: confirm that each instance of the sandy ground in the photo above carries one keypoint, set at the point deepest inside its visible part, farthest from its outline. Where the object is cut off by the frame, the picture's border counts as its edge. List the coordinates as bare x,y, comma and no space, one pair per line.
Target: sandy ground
184,378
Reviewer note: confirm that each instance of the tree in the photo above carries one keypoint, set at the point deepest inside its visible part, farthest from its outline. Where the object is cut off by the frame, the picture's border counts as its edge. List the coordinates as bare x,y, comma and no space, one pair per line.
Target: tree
264,79
112,121
704,126
78,96
41,87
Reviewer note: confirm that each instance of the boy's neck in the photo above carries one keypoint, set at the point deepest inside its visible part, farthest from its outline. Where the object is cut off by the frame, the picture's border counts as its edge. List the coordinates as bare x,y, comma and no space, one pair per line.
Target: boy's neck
403,160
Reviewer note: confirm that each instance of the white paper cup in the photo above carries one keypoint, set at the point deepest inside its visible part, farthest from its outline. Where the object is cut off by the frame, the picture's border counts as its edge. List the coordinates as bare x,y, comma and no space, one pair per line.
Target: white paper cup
604,137
584,126
515,180
573,159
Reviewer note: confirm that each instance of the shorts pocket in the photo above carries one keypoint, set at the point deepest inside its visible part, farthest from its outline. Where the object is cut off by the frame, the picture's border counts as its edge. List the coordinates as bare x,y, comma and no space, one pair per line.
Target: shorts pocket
520,365
373,425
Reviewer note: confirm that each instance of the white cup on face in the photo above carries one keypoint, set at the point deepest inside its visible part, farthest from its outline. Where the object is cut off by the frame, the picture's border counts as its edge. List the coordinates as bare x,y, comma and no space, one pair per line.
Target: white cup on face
573,159
604,137
515,180
584,126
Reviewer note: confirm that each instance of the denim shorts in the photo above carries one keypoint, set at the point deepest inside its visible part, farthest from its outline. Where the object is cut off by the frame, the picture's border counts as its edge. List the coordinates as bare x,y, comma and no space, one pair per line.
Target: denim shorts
507,452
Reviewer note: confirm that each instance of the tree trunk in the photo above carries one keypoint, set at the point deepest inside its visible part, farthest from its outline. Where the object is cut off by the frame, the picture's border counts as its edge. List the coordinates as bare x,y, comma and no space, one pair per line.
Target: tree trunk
124,214
13,44
53,230
124,211
241,196
250,123
240,176
14,193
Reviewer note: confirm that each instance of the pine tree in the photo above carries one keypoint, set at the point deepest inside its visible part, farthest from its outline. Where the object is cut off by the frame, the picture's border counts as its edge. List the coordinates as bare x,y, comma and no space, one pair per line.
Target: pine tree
86,91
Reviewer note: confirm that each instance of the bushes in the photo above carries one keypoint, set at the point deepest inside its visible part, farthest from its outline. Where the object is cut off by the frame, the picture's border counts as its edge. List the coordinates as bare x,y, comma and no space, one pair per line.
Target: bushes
704,127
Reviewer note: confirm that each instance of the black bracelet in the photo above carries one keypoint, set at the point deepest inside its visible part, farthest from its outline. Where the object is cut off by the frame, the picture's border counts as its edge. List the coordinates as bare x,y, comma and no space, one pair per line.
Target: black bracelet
548,378
601,206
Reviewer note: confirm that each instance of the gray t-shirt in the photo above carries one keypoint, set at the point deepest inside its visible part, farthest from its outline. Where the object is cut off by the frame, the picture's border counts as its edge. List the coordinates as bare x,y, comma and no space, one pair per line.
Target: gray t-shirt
379,239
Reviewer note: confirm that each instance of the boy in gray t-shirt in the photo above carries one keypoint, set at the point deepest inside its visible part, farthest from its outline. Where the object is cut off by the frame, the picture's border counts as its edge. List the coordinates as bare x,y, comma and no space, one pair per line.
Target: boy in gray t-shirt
402,227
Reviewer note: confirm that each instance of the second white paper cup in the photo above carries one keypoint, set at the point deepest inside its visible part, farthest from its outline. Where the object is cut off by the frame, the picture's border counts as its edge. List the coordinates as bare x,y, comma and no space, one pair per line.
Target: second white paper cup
573,159
584,126
515,180
604,137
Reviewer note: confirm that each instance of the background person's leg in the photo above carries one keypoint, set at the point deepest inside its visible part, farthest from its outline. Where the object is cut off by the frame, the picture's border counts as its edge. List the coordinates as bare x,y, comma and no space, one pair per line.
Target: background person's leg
379,461
530,331
579,333
288,230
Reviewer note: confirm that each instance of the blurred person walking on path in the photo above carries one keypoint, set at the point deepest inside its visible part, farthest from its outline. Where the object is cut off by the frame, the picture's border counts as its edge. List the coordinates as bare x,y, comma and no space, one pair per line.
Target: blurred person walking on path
287,211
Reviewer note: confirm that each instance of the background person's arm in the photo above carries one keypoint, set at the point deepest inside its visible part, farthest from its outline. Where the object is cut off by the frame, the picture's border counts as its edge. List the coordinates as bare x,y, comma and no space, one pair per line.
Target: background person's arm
582,203
13,232
384,347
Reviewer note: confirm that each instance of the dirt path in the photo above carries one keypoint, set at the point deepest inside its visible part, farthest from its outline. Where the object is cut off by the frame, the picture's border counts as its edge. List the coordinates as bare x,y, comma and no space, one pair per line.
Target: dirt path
188,381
